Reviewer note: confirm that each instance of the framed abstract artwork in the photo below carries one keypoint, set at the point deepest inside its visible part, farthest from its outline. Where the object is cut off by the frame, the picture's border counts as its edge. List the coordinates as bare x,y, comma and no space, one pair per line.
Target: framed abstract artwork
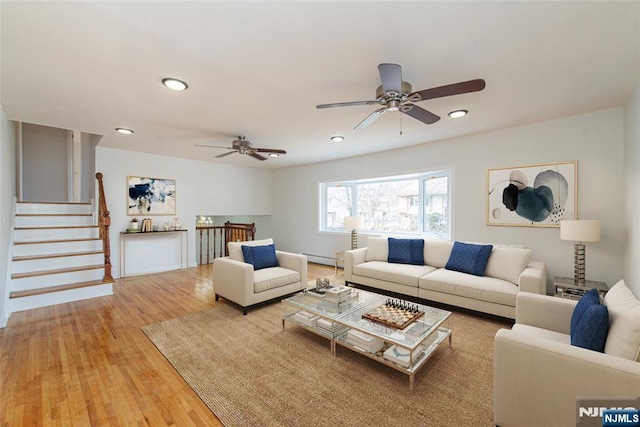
151,196
532,196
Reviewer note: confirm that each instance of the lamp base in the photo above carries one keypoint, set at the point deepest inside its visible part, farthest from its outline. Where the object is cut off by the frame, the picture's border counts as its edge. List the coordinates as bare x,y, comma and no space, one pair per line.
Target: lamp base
578,262
354,239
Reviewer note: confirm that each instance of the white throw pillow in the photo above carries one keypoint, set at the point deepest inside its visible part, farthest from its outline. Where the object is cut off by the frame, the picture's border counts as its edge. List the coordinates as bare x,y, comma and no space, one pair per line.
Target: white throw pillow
235,248
377,249
624,322
437,252
507,263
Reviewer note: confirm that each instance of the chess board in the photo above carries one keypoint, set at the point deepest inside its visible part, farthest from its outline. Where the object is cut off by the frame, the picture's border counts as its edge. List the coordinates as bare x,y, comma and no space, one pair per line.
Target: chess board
396,317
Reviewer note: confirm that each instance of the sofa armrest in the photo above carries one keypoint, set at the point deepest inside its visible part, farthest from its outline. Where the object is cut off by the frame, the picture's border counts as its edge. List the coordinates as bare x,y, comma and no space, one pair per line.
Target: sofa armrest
534,278
544,311
233,280
295,262
537,378
351,259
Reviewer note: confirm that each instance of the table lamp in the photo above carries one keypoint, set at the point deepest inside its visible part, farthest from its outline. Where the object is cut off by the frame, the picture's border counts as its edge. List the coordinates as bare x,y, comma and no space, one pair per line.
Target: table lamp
353,222
580,231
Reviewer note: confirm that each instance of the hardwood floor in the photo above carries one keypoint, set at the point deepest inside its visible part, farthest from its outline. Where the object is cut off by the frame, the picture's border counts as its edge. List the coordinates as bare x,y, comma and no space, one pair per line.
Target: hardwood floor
89,363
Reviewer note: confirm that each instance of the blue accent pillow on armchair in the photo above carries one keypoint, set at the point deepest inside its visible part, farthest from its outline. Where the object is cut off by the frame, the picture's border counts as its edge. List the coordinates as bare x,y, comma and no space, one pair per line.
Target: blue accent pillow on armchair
590,322
406,251
260,256
469,258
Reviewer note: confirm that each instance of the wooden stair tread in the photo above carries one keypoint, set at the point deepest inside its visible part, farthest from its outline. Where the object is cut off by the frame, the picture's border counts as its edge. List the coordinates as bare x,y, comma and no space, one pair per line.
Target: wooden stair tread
53,203
41,291
53,214
37,242
57,255
56,271
55,227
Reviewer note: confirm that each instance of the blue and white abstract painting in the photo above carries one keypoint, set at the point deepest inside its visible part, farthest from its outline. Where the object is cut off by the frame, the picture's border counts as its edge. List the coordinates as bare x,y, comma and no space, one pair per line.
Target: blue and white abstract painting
536,195
151,196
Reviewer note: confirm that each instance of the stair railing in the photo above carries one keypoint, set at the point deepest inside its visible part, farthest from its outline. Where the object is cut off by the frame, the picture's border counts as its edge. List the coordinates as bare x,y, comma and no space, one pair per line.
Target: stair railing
104,221
213,239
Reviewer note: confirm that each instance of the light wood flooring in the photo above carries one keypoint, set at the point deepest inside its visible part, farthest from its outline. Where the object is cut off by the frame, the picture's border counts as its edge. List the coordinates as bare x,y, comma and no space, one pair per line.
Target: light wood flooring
88,362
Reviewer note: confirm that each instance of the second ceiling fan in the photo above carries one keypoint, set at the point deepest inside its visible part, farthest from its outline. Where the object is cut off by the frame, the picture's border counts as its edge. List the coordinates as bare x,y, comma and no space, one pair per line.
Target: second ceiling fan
396,95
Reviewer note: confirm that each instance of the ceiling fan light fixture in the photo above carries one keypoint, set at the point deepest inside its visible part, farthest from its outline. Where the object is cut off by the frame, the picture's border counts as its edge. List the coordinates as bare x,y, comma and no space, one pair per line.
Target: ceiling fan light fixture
174,84
337,138
458,113
124,131
274,155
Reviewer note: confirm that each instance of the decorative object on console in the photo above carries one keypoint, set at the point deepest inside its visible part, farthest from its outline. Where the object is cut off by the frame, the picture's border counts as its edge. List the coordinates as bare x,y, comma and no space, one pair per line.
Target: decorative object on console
580,231
353,222
532,196
151,196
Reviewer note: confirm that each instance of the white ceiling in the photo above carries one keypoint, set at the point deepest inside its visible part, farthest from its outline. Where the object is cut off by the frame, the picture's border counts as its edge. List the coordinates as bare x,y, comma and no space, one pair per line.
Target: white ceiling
259,69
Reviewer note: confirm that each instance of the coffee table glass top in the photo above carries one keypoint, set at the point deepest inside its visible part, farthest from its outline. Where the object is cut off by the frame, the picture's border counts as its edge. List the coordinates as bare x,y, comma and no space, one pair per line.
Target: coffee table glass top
410,337
330,310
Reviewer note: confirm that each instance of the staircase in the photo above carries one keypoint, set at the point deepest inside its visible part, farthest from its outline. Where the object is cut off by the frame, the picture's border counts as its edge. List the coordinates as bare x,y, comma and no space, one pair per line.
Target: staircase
58,255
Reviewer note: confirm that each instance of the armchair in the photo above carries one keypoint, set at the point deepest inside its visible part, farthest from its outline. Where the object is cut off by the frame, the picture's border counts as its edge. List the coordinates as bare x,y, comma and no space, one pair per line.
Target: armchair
238,282
538,374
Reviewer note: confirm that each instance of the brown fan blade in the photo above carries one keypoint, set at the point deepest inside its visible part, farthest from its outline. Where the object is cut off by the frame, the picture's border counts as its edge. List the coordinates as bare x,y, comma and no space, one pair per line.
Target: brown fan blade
419,114
448,90
256,156
346,104
225,154
270,150
370,118
391,77
214,146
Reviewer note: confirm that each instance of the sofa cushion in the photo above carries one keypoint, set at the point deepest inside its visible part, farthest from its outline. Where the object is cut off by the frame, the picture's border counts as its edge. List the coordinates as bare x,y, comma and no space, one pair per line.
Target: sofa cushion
274,277
404,274
507,263
469,258
260,256
437,252
235,248
406,251
589,322
485,288
624,322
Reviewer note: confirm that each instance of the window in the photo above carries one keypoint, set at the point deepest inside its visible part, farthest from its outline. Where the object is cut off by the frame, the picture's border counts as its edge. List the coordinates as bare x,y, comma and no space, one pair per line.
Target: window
409,204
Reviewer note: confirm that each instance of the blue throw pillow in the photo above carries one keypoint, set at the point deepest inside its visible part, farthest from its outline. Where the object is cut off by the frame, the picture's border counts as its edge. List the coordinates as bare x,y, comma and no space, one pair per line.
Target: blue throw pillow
590,323
260,256
469,258
406,251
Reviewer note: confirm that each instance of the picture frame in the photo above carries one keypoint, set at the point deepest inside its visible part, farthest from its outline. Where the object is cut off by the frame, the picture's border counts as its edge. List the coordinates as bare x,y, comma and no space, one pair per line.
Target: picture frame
150,196
539,195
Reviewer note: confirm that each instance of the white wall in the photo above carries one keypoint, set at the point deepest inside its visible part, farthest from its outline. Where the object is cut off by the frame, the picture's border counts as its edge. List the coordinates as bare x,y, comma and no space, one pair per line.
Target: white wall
202,188
631,186
595,140
7,194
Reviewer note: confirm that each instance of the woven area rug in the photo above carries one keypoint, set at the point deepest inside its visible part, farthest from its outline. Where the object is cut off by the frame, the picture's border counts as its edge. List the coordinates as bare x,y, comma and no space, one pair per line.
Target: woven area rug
251,372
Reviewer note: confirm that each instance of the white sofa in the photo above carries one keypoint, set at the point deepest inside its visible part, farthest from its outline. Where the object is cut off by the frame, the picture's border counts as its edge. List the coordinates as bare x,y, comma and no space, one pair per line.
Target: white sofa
237,281
539,375
508,272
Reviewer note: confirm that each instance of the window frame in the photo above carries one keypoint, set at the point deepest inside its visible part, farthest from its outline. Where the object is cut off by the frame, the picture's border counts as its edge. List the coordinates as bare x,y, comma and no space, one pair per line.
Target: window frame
422,177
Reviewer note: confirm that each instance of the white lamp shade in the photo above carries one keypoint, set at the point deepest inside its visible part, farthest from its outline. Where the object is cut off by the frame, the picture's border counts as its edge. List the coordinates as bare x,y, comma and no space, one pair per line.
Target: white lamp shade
581,230
353,222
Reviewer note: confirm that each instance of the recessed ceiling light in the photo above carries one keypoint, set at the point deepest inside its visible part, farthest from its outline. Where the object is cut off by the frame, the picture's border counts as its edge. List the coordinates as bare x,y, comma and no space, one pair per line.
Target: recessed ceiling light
337,138
124,131
457,114
174,84
274,155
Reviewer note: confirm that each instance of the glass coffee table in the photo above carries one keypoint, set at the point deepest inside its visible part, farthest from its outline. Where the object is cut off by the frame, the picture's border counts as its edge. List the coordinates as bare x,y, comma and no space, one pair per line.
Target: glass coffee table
406,350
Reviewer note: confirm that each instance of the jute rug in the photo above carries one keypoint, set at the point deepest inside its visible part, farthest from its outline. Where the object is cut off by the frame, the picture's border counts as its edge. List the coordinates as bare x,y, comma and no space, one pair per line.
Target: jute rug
251,372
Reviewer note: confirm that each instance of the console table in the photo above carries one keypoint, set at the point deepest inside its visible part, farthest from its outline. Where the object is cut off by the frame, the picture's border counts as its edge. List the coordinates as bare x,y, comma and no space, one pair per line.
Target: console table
184,237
